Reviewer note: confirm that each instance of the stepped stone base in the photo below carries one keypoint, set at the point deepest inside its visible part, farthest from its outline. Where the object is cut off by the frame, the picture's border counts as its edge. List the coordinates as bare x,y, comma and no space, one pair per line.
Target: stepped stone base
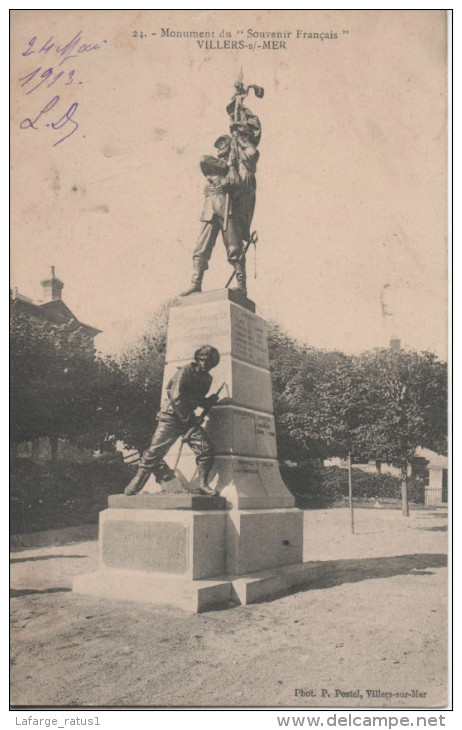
146,500
194,559
261,539
161,589
200,544
198,595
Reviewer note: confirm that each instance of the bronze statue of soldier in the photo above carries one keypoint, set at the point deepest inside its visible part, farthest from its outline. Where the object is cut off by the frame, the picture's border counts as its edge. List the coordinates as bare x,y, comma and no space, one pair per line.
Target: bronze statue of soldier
230,192
186,391
221,212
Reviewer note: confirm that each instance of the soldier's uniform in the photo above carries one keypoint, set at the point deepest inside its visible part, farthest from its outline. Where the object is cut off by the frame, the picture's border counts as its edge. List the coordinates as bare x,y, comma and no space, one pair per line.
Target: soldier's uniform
186,391
243,157
222,183
230,175
213,217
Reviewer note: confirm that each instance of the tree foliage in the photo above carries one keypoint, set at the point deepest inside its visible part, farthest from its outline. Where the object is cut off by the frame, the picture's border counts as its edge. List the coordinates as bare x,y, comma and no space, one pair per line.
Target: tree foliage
379,405
406,405
59,388
51,368
311,405
142,368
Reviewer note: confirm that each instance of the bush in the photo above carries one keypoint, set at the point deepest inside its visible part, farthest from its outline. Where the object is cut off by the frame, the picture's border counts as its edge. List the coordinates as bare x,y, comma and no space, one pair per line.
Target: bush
365,484
305,483
324,486
45,496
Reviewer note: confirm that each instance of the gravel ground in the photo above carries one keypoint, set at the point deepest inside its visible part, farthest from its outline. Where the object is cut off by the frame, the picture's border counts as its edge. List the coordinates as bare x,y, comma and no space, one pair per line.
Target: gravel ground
377,621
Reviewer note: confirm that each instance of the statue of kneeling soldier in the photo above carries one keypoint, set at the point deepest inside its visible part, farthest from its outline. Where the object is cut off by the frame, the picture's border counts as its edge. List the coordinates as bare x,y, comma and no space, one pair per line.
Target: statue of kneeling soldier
186,391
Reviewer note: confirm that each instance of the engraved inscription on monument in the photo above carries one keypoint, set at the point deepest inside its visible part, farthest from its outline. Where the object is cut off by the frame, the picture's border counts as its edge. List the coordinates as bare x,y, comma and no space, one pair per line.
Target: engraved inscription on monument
265,435
239,431
157,546
248,337
190,327
243,432
233,330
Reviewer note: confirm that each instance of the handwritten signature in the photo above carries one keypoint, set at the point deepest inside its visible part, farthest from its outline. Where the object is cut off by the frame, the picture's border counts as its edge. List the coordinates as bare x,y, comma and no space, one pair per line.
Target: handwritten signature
66,118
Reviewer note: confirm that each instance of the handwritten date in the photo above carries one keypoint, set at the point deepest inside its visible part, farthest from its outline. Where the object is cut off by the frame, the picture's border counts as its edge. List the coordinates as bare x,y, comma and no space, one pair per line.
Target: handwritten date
72,49
44,76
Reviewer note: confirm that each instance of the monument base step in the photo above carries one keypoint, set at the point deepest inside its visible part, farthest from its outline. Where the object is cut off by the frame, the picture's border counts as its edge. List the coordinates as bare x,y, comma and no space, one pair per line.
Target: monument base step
157,588
274,583
196,595
198,502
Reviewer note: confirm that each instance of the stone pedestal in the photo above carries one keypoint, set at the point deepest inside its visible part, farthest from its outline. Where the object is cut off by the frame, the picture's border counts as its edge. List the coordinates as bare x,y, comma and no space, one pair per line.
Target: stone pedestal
249,542
246,470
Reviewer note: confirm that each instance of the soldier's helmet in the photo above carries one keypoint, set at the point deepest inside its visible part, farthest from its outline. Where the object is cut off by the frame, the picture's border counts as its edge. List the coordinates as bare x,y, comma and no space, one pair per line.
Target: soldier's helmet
222,144
211,353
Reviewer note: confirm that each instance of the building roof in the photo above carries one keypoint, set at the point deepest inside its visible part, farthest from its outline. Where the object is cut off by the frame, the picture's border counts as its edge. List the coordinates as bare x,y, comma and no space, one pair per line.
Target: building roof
52,309
435,460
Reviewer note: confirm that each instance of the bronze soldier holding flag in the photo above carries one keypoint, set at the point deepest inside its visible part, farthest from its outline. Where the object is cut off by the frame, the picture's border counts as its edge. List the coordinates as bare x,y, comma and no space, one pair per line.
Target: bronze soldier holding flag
230,192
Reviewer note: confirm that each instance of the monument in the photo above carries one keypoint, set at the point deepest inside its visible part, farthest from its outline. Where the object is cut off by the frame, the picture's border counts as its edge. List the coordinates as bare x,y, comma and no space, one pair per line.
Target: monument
241,538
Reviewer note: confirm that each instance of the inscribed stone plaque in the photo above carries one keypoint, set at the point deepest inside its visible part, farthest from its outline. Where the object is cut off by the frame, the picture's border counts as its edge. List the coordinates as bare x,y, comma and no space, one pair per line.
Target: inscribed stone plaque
161,547
248,385
248,337
251,387
245,466
191,327
238,431
271,477
265,435
244,432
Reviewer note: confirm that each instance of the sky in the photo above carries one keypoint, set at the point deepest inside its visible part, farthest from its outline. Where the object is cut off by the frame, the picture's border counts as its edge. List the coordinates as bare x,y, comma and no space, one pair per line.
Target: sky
351,207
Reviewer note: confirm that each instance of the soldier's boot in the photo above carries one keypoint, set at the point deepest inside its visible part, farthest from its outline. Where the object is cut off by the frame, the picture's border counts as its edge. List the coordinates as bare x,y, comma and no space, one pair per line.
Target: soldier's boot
241,279
163,473
203,487
138,481
196,280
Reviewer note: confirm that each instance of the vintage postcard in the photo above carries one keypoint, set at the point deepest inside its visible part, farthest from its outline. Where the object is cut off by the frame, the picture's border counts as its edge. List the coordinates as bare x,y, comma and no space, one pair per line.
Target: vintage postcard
229,464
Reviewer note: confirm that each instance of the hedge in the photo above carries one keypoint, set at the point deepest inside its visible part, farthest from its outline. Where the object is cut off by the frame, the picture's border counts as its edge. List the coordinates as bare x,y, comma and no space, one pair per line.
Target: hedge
45,496
324,486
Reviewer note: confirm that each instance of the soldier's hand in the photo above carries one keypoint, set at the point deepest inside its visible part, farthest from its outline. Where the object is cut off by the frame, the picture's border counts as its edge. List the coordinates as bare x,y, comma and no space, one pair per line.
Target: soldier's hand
232,177
212,400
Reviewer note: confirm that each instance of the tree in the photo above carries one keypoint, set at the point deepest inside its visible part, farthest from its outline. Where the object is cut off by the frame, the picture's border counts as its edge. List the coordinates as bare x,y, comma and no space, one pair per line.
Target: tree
56,383
300,379
341,419
406,407
293,375
381,405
